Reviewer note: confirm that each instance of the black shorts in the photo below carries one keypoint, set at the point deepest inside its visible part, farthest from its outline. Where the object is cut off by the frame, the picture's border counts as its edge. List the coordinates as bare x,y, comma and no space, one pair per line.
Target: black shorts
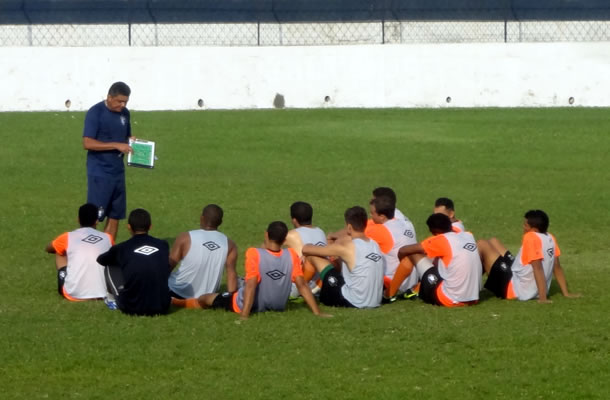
223,301
330,293
499,277
61,279
109,194
429,282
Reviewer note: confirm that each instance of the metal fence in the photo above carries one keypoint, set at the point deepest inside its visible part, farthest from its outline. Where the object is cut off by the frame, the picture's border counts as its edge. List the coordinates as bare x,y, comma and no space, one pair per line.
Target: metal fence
298,22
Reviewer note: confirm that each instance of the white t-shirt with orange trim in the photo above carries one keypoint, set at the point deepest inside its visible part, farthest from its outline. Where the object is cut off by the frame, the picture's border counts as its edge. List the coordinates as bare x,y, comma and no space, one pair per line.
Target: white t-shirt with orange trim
459,264
535,246
84,276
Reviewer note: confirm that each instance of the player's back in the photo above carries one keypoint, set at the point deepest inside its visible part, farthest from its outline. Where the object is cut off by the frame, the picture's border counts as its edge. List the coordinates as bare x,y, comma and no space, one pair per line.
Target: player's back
275,272
463,273
311,235
200,271
84,276
364,283
535,246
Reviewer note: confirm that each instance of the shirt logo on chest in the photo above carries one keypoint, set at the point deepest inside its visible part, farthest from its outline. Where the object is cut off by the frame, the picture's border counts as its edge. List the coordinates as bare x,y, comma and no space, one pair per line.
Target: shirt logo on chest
146,250
470,247
320,244
123,120
92,239
275,274
550,251
373,257
408,233
211,245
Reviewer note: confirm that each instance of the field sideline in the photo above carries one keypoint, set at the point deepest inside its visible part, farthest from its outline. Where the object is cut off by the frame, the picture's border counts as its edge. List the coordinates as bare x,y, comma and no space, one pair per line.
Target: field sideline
494,163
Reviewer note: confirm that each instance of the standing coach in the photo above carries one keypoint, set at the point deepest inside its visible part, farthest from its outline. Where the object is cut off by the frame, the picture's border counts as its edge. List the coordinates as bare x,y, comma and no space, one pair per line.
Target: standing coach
106,139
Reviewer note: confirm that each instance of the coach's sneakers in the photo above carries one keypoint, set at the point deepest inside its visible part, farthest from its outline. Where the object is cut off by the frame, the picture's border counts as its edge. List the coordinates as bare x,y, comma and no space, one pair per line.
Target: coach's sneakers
110,303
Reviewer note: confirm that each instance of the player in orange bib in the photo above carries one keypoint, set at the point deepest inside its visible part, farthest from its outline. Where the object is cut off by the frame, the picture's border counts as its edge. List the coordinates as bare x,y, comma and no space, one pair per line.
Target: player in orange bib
528,275
455,277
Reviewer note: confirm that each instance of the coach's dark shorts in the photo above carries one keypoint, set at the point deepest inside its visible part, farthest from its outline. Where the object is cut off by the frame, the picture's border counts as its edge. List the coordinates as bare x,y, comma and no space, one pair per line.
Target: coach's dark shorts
499,277
224,301
330,294
108,193
429,282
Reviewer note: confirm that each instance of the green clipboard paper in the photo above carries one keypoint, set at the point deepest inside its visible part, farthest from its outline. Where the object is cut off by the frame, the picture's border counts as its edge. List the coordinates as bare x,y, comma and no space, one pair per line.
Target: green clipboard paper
143,154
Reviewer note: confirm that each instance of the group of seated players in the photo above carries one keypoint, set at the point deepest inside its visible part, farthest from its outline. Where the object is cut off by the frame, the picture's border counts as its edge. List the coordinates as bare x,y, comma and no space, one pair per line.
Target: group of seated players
367,263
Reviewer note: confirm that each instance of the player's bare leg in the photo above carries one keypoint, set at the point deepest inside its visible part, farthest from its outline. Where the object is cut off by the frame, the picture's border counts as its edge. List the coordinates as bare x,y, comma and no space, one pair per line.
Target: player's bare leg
488,254
60,261
498,246
112,227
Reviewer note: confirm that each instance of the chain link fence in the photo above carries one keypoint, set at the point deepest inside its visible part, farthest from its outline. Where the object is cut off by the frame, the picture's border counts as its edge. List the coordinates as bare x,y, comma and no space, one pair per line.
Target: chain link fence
297,22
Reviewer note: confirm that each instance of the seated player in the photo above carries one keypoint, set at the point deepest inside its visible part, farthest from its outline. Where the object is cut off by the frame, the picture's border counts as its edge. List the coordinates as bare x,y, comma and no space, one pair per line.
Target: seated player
137,270
269,273
79,276
304,232
391,234
527,276
445,206
456,279
386,191
359,281
203,254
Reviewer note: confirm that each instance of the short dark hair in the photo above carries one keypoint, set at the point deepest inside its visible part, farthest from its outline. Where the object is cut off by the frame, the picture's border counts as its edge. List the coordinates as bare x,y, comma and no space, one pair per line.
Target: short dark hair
384,191
277,231
439,223
212,214
537,219
356,217
139,219
87,215
302,212
444,202
384,205
119,88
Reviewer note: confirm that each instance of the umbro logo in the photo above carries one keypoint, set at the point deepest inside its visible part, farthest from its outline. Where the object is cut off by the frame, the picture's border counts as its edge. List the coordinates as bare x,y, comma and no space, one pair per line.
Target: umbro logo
409,233
92,239
146,250
550,252
275,274
211,246
321,244
470,247
373,257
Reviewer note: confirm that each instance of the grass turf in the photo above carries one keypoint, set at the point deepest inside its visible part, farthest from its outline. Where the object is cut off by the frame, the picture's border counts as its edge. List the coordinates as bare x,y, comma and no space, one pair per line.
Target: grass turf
495,164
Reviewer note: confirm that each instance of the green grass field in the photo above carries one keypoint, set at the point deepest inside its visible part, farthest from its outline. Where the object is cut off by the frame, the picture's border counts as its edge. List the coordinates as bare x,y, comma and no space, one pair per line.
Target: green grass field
495,164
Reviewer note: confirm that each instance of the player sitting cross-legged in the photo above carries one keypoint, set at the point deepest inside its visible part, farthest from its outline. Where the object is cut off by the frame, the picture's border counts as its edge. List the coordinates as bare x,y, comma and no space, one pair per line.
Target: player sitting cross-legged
528,275
79,276
455,280
359,281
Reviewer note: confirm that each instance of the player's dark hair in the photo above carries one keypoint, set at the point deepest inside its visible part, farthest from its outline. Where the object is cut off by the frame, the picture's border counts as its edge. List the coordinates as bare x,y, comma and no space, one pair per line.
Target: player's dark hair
139,219
537,219
385,191
384,205
444,202
277,231
119,88
87,215
302,212
439,223
356,217
212,214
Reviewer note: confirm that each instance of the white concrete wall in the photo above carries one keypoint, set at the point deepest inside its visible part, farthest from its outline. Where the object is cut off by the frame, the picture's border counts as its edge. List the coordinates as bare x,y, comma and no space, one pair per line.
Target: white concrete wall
425,75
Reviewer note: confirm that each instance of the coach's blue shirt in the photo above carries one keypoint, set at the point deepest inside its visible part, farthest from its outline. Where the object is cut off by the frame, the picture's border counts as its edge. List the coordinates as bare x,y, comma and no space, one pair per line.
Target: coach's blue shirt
106,126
